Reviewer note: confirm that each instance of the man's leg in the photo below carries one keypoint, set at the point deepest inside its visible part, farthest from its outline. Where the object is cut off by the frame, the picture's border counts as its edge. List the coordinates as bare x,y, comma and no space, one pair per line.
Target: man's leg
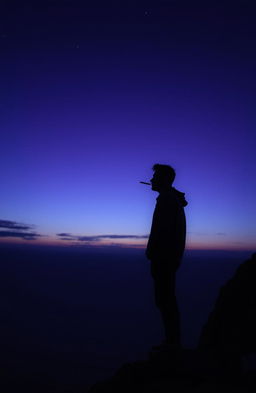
165,299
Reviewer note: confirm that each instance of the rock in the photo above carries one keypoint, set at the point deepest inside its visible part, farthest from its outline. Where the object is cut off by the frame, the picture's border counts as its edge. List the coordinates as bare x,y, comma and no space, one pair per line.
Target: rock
231,325
160,373
193,373
216,364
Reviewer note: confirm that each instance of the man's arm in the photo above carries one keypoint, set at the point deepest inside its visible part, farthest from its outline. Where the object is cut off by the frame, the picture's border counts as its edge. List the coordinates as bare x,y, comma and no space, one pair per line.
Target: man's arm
162,236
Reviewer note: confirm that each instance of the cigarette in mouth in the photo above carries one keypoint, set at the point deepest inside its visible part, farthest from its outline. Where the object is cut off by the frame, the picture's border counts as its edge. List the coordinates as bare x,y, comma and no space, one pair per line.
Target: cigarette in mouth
143,182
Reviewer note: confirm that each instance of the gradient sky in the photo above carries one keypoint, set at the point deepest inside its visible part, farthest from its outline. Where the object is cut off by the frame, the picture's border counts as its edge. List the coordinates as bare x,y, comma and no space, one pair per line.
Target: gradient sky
92,95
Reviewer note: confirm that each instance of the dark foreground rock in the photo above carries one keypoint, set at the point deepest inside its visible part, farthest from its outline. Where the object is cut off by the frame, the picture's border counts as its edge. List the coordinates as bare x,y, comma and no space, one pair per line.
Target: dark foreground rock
191,371
227,338
231,326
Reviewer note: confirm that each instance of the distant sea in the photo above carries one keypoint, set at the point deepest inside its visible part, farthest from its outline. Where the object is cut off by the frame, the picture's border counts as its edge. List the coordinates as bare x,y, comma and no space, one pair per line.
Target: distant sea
72,316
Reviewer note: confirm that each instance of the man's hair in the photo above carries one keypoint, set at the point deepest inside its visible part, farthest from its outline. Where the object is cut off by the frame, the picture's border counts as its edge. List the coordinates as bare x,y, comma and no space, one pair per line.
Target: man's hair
165,171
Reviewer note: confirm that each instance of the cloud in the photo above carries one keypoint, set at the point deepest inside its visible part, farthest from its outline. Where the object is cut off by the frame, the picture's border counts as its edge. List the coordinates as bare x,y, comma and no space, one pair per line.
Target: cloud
125,236
13,225
96,238
20,235
207,234
17,230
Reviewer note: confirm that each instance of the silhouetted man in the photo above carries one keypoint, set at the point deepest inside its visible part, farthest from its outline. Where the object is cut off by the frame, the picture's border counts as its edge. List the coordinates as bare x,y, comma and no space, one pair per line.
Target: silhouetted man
165,248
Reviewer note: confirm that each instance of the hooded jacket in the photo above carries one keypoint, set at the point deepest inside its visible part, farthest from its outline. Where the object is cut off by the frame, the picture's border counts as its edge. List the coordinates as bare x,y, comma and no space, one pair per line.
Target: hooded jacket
168,231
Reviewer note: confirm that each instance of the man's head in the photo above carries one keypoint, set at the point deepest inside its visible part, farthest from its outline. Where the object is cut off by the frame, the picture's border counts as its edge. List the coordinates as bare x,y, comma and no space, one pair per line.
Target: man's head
163,177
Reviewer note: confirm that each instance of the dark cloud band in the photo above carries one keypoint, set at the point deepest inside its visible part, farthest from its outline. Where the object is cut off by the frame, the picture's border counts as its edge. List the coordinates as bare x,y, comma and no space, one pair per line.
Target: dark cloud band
13,229
13,225
20,235
67,236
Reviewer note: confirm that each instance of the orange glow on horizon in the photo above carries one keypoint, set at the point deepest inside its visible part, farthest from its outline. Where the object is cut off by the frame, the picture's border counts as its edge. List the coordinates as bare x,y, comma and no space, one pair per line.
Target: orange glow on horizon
124,243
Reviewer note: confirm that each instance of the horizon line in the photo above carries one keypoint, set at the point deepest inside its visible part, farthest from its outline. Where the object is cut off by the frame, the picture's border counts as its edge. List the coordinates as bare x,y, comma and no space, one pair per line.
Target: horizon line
69,245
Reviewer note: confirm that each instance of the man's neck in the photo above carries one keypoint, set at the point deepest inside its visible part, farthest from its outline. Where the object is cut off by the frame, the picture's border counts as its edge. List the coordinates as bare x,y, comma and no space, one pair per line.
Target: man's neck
164,190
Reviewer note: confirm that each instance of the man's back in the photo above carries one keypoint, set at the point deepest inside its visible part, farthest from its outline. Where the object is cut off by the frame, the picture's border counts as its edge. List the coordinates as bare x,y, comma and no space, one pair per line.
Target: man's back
168,230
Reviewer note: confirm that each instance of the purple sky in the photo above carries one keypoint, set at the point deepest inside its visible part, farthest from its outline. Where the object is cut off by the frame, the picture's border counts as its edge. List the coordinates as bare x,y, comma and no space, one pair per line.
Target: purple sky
93,95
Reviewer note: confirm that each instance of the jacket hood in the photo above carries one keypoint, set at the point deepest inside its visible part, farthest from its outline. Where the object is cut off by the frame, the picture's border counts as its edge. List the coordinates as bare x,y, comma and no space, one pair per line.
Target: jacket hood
180,196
